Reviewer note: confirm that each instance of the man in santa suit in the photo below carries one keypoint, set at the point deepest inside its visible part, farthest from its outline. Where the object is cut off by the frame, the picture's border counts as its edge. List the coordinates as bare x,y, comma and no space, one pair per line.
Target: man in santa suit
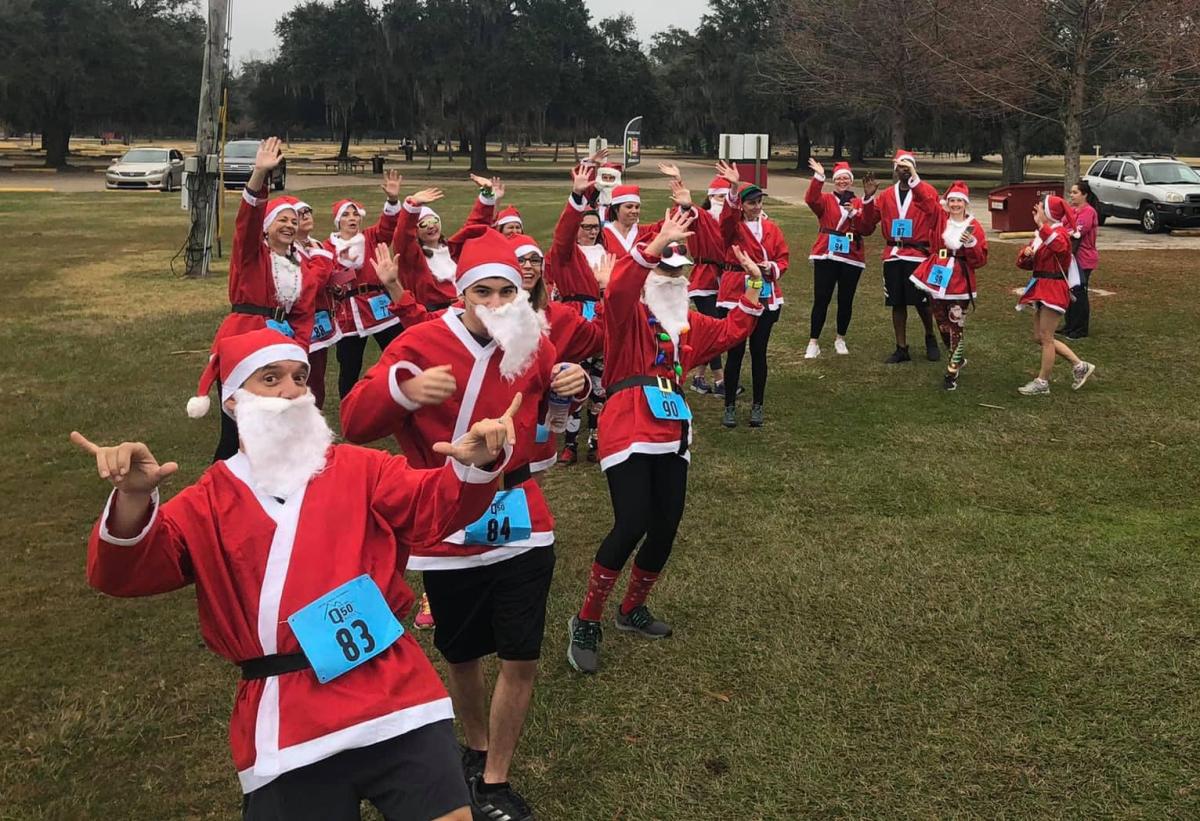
488,583
651,340
297,549
267,285
317,264
905,231
362,310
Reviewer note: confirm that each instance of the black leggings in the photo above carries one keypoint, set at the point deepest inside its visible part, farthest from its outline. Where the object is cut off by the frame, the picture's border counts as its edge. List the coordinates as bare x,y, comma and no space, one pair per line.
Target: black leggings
1079,312
707,305
350,350
827,275
648,493
758,359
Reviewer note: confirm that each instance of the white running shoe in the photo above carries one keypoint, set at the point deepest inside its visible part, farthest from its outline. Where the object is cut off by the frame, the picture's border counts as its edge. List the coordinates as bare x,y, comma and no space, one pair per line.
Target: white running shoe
1038,387
812,351
839,346
1081,373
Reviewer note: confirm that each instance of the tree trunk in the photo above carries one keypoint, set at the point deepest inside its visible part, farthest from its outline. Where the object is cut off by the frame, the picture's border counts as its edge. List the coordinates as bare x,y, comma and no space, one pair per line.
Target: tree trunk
1073,123
839,142
344,150
557,143
803,144
56,136
1012,153
899,129
858,144
479,162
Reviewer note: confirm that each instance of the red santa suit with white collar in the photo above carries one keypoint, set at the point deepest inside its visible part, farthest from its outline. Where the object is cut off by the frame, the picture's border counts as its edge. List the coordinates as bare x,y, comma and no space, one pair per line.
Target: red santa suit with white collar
763,240
317,263
429,272
836,218
633,348
888,205
569,265
1049,258
360,311
946,248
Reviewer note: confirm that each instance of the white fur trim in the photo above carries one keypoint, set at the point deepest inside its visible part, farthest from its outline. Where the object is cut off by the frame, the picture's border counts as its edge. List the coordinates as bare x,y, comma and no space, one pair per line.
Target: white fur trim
198,406
260,358
106,536
843,173
624,198
251,199
487,200
275,212
578,206
636,253
486,271
362,212
509,219
391,208
527,248
394,385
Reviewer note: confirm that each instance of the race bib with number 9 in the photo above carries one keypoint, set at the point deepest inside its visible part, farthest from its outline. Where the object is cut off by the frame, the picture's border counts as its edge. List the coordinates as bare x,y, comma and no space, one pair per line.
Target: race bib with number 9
939,276
666,404
346,627
839,244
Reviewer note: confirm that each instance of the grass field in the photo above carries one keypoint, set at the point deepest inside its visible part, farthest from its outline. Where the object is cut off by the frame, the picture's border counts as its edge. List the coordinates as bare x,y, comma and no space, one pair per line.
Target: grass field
890,602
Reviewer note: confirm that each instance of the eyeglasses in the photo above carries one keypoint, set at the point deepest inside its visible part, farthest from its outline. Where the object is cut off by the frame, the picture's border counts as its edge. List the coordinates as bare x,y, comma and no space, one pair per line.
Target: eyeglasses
533,260
304,212
593,227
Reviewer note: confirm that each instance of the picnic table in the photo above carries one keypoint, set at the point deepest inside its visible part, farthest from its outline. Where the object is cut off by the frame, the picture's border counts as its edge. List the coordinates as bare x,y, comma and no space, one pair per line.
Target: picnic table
346,165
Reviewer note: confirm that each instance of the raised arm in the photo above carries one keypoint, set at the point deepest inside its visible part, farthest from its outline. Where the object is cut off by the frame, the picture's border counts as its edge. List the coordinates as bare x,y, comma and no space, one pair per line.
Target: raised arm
814,196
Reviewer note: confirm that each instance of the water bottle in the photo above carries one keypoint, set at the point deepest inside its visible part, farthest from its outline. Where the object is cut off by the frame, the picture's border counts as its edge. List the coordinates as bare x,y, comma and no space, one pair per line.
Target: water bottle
557,412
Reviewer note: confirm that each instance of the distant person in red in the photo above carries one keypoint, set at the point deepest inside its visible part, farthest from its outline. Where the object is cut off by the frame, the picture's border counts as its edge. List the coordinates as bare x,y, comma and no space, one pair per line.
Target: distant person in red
1078,318
1049,292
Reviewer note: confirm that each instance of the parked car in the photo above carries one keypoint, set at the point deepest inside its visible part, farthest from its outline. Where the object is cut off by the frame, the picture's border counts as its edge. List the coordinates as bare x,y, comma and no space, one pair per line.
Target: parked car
239,165
160,168
1155,189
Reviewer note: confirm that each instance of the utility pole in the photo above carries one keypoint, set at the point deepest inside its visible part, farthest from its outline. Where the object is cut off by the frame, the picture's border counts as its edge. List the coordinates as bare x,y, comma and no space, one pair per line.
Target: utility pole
203,194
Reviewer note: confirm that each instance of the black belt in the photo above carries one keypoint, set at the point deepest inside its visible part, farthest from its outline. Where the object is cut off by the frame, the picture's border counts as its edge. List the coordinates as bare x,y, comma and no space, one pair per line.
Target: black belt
1049,275
899,243
856,239
517,477
706,261
579,299
433,307
278,314
278,664
659,382
343,291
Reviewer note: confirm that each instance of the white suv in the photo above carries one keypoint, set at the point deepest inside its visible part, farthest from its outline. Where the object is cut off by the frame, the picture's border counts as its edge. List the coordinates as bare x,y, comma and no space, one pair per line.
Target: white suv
1155,189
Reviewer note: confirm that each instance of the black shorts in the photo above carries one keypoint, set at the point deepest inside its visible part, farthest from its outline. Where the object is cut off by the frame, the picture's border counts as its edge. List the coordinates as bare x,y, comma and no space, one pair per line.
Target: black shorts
413,777
495,608
898,289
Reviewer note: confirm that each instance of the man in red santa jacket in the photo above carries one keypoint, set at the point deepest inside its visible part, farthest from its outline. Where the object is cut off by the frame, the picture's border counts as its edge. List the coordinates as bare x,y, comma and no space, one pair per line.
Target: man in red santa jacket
487,583
297,549
905,230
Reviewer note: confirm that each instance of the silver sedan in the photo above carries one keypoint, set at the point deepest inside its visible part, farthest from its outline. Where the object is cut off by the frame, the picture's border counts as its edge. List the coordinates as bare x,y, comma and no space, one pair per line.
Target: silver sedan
160,168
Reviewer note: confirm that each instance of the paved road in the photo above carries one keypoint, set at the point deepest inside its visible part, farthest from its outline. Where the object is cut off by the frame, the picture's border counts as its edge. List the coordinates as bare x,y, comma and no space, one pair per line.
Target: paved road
1118,234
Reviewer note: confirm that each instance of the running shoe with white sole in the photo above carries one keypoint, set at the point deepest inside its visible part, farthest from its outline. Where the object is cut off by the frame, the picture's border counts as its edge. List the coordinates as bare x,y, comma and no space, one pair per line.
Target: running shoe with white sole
839,347
1080,374
583,650
1038,387
812,351
641,621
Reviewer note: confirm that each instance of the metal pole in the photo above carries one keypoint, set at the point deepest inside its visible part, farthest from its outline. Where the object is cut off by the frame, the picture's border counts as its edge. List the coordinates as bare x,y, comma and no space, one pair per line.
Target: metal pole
201,183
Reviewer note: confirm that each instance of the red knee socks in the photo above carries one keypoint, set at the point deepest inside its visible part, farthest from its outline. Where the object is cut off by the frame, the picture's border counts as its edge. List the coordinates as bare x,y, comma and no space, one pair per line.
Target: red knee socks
600,584
640,582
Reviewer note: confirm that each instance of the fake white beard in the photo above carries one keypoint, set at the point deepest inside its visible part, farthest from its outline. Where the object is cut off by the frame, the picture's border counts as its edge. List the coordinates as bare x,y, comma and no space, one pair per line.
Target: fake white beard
667,299
518,330
358,249
441,264
715,208
286,441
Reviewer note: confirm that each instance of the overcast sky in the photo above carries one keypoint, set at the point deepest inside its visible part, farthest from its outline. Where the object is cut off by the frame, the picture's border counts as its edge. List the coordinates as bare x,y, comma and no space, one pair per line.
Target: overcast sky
254,20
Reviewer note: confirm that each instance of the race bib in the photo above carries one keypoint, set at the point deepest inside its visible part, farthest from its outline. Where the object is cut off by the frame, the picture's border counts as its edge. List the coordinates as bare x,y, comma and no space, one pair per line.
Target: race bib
767,291
379,306
901,229
839,244
589,310
543,434
506,520
322,325
347,626
283,327
666,404
939,277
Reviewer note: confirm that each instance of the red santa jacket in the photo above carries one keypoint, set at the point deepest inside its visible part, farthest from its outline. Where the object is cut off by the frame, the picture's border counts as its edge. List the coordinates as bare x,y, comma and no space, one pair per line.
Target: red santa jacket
568,269
620,245
252,278
631,349
319,268
376,407
256,560
834,218
763,241
946,248
430,276
359,309
886,206
706,247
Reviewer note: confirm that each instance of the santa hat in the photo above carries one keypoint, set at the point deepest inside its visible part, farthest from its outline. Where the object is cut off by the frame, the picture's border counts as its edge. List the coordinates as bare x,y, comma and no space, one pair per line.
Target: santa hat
904,155
235,360
719,185
675,256
626,193
1056,209
523,246
342,206
485,253
426,211
842,168
958,191
509,214
277,206
301,205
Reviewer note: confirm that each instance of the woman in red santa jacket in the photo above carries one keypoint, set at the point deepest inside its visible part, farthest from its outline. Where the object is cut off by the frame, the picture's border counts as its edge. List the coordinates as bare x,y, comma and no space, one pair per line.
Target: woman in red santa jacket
651,340
1048,293
267,284
744,224
326,715
317,263
361,304
957,249
837,254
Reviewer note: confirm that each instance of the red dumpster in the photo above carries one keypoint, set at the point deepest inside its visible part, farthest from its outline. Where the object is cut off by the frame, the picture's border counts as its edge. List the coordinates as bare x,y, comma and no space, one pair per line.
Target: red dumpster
745,169
1011,206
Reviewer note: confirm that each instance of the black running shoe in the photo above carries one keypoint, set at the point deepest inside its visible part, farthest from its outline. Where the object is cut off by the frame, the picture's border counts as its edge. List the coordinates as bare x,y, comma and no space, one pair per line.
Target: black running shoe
951,383
899,355
641,620
583,651
473,762
932,352
504,804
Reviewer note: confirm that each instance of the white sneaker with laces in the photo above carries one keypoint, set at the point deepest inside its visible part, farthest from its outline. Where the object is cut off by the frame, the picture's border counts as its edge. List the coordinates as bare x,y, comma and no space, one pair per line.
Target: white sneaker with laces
1038,387
1081,373
812,351
839,346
